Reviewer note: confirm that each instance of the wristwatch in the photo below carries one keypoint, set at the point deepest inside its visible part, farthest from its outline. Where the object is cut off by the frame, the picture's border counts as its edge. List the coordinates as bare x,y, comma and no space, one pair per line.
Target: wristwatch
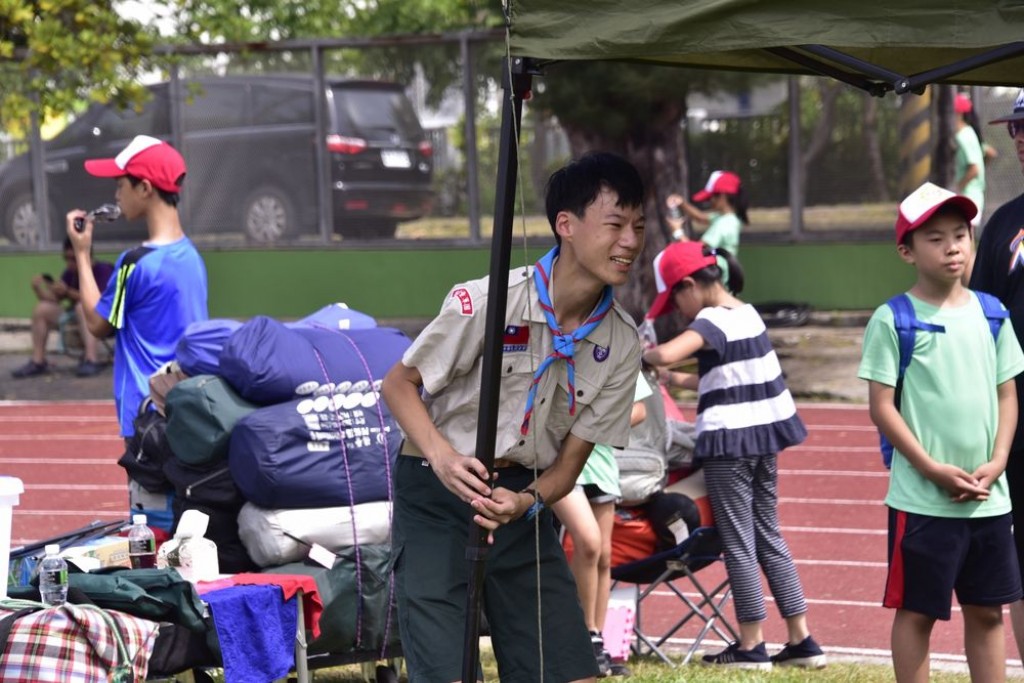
538,503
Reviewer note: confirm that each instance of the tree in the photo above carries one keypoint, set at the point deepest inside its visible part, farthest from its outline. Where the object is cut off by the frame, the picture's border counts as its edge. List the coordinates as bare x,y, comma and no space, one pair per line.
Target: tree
58,53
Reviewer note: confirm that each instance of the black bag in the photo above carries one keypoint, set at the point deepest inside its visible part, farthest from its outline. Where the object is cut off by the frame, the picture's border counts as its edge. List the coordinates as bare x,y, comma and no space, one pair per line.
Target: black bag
147,450
668,512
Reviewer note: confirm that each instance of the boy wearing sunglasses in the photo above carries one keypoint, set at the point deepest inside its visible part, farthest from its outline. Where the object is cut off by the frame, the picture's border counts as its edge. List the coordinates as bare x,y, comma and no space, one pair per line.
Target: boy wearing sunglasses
999,270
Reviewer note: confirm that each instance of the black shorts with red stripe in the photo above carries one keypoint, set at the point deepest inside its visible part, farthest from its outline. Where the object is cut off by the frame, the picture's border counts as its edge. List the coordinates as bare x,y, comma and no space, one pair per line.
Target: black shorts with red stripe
931,557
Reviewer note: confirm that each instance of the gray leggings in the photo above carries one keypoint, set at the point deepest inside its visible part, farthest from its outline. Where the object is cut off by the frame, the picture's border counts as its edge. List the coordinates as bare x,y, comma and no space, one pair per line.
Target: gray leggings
744,498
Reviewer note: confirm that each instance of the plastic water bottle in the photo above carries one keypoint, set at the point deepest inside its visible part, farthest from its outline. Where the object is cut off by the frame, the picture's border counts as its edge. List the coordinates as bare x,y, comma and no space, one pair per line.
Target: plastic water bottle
141,544
53,577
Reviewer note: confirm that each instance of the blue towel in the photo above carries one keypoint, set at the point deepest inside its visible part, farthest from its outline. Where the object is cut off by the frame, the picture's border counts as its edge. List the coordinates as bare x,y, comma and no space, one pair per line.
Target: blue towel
256,629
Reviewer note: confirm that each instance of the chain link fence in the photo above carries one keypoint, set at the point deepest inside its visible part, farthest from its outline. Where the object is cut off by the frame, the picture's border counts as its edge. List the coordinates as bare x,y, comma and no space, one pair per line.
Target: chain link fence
323,143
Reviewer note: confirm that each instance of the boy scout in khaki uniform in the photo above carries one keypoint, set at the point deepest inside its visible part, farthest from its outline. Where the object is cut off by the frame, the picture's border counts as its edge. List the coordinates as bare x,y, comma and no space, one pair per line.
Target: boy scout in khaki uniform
553,408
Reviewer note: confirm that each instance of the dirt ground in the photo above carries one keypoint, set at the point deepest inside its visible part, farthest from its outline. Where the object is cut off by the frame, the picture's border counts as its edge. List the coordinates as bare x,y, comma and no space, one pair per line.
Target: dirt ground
819,361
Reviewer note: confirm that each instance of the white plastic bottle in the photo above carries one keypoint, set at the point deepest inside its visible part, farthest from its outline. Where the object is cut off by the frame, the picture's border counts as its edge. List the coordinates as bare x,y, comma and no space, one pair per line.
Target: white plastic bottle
141,544
53,577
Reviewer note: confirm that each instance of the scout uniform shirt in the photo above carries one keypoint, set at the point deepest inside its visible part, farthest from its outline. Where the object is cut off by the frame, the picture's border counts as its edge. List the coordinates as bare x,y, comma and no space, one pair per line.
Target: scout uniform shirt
448,356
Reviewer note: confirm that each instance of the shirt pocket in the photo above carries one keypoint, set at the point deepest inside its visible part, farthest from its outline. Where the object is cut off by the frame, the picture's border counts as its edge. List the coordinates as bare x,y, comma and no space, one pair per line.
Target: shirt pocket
559,420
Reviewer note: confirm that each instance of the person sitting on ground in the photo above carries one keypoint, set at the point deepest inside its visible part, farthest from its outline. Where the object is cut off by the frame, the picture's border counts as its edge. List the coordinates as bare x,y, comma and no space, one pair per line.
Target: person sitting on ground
54,299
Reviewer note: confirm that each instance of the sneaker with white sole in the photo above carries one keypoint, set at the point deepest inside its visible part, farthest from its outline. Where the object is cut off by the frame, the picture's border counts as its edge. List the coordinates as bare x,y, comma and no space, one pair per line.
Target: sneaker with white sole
755,658
806,654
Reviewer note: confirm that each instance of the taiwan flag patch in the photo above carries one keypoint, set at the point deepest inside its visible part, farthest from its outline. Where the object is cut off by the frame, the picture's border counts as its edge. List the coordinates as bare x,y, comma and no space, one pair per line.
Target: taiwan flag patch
516,339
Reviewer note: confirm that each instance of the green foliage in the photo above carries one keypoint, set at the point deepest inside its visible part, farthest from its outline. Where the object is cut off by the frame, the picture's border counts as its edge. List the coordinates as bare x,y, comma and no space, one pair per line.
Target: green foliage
64,52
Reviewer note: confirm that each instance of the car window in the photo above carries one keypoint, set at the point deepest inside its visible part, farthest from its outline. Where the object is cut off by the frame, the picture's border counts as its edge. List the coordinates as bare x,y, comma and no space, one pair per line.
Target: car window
375,114
215,105
151,119
277,104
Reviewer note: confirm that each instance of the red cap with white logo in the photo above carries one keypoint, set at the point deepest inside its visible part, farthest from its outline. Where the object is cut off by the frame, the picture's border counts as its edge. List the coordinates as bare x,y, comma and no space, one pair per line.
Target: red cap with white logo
146,158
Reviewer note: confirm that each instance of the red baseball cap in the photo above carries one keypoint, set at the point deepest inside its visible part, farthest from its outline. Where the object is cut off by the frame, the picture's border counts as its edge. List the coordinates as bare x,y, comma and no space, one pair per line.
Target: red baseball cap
962,104
147,158
922,204
719,182
675,262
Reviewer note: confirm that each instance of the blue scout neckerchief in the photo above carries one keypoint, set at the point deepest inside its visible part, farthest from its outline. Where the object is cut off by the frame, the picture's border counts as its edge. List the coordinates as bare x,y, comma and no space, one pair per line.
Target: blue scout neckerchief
564,345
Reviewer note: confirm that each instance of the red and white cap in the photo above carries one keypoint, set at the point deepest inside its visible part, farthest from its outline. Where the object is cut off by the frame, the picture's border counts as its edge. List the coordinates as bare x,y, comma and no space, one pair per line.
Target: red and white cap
719,182
147,158
922,204
675,262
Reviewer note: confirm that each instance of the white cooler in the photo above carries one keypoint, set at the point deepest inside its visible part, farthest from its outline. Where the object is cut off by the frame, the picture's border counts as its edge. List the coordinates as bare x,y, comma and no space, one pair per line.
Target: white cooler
10,489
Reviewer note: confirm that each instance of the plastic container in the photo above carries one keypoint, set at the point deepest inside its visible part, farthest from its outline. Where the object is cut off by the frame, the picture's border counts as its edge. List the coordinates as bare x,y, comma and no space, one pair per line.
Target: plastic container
141,544
10,490
53,577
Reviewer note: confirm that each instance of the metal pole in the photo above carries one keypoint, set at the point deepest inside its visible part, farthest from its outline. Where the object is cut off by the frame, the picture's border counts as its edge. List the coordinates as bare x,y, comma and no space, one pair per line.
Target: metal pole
516,84
796,162
324,192
37,162
472,164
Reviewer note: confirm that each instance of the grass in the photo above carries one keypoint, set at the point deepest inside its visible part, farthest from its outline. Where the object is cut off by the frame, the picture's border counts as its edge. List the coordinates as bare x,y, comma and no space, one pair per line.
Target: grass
846,217
652,670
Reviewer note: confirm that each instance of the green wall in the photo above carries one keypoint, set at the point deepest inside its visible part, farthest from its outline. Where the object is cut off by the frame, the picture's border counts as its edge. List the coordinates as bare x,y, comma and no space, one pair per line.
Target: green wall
405,282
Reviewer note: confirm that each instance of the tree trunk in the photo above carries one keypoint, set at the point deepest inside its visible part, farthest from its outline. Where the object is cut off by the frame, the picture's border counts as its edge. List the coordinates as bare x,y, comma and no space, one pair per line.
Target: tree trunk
657,149
828,91
945,136
879,191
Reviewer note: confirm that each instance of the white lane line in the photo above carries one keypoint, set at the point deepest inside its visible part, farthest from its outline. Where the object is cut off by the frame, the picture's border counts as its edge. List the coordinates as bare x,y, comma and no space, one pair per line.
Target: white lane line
62,419
57,404
60,437
57,461
828,501
833,473
76,487
20,512
843,563
834,449
833,530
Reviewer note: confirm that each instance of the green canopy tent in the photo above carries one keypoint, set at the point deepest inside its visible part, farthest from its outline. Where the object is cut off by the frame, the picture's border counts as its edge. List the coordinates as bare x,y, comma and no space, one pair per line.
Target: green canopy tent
879,46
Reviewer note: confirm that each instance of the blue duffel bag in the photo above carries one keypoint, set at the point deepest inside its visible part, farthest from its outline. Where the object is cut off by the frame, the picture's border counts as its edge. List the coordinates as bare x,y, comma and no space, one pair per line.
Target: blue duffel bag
336,317
267,362
198,350
323,451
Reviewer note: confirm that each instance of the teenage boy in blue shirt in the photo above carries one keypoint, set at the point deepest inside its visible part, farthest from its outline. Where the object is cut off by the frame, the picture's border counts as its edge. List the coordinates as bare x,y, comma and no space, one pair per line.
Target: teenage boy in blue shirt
158,288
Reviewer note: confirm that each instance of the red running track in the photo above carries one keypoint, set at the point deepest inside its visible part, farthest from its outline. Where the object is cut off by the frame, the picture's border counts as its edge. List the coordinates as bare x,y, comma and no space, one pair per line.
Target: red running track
831,489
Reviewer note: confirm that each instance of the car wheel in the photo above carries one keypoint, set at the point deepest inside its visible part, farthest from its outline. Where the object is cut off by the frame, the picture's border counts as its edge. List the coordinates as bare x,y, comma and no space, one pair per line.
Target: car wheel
268,215
367,228
22,221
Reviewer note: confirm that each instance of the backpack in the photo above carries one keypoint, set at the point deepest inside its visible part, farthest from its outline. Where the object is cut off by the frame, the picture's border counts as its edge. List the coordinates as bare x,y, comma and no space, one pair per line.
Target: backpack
907,325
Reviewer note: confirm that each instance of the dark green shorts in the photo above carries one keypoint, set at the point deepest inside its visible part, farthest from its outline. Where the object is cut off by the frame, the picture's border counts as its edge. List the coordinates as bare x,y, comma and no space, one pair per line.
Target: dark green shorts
431,528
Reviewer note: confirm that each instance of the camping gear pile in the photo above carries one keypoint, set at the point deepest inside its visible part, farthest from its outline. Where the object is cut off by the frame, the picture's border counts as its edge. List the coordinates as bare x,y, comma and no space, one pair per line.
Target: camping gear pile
278,433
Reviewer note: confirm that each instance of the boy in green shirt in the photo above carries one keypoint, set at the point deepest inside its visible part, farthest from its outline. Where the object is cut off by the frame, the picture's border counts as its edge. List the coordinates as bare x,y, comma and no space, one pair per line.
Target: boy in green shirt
949,510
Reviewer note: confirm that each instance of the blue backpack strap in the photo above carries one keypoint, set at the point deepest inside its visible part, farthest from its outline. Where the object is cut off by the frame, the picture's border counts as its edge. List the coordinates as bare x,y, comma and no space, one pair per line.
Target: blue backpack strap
906,323
994,311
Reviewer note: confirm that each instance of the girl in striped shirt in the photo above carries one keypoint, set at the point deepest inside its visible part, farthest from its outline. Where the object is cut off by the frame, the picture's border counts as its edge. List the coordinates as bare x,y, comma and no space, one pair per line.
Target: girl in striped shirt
745,417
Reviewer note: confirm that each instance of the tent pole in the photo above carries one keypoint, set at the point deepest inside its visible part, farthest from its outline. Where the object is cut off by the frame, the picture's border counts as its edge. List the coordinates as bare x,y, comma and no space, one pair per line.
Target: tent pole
516,80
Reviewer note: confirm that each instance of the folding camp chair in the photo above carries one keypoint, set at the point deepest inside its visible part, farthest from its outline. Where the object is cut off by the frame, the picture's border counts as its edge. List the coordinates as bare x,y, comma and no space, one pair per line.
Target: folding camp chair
660,571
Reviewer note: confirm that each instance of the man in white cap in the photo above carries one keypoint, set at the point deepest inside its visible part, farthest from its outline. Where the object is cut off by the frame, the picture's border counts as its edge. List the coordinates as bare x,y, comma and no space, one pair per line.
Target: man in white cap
999,270
157,290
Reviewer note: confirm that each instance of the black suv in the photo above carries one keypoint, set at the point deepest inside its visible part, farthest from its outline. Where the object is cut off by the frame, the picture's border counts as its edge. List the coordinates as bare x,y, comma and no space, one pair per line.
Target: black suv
250,145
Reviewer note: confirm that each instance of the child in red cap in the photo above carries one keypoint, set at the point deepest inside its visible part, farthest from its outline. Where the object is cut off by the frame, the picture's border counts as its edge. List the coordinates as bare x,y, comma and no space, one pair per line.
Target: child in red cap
745,416
158,289
950,418
725,219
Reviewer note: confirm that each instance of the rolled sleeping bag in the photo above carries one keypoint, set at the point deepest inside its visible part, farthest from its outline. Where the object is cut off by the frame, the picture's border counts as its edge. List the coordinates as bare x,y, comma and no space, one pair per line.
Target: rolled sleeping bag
267,362
274,537
201,412
336,317
198,350
326,451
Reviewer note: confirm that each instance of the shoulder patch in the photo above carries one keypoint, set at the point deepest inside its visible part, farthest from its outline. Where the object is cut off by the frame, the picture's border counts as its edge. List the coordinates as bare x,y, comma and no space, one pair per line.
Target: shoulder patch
465,300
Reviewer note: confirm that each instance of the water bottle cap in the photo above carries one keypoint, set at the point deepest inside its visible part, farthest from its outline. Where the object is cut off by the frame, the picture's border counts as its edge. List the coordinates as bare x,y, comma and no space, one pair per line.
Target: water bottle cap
52,549
138,519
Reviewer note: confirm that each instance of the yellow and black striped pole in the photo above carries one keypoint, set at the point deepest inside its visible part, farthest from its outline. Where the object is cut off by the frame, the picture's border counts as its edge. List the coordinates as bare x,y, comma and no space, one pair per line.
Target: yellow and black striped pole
916,141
